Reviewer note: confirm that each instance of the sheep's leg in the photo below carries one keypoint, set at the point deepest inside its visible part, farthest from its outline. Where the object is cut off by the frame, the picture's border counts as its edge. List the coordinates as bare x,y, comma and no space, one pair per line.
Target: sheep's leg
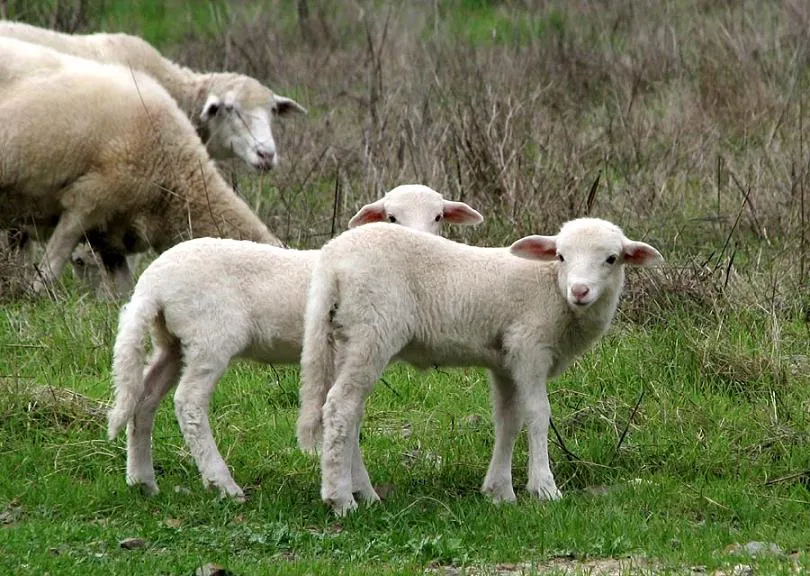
361,483
537,413
160,376
508,422
117,271
64,239
191,402
361,366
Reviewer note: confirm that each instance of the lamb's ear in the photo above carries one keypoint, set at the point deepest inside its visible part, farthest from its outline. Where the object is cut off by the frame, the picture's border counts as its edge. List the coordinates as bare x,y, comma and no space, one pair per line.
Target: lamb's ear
285,106
641,254
535,247
460,213
374,212
210,108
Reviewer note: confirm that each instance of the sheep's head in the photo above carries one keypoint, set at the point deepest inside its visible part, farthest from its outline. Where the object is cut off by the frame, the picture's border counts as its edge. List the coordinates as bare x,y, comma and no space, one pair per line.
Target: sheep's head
418,207
237,117
591,255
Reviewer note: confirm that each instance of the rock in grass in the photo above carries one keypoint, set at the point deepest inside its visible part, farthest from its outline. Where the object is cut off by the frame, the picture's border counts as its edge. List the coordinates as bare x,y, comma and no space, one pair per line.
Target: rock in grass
755,548
11,513
212,570
742,570
132,543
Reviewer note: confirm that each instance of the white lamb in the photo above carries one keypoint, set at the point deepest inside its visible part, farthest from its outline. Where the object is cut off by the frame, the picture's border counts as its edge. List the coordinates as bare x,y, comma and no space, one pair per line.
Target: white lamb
231,112
125,165
208,301
381,293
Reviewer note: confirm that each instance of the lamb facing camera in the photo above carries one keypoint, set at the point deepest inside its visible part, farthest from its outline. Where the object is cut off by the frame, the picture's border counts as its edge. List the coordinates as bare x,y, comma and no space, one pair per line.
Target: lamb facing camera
524,312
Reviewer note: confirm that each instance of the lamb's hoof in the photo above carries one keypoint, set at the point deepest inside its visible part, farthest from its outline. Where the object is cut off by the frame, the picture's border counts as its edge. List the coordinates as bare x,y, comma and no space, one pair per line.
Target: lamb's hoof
499,494
342,506
367,495
545,491
309,439
232,492
146,487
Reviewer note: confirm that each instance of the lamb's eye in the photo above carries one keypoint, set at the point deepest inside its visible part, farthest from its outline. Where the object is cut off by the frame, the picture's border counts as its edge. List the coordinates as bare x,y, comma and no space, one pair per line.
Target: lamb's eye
560,258
437,218
392,219
611,259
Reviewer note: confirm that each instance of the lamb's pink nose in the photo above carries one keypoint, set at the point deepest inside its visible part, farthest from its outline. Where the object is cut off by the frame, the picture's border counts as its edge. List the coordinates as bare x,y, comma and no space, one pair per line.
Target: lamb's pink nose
579,291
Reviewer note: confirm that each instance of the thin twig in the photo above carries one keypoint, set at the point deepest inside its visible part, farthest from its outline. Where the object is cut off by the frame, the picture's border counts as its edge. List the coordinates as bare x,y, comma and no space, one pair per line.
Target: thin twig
627,427
391,388
561,442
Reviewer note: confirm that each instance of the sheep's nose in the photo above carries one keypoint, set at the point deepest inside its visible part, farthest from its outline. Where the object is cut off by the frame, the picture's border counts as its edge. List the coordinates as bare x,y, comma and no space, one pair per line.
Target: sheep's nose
580,291
266,156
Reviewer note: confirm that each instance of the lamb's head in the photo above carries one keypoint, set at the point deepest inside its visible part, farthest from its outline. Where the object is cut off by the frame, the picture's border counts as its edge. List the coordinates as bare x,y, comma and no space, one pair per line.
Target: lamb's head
591,254
418,207
237,116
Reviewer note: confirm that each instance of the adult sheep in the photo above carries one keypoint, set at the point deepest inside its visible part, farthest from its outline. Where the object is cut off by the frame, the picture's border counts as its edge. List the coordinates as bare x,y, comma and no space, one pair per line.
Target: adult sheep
231,112
209,300
129,166
383,292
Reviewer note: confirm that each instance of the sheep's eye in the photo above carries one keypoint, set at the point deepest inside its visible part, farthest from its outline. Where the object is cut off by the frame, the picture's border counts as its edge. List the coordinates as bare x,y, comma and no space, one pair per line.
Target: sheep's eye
392,219
438,218
560,258
611,259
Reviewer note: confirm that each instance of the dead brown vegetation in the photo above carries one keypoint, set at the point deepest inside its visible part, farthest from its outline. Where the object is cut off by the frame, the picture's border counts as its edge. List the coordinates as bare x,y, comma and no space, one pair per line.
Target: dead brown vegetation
685,123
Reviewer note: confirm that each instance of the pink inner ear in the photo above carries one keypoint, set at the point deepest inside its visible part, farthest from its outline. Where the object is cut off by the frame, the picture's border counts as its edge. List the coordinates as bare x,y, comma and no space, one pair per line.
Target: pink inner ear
368,214
460,213
640,254
535,248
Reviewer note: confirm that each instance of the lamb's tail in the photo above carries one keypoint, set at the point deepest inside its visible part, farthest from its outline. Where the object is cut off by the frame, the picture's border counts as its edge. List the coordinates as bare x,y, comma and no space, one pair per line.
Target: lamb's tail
128,359
317,357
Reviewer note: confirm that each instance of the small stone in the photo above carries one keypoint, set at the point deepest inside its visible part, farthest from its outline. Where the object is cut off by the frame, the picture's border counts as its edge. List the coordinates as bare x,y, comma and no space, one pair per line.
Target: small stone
598,490
181,490
384,490
742,570
768,548
754,548
212,570
12,512
132,543
472,420
699,569
173,522
53,551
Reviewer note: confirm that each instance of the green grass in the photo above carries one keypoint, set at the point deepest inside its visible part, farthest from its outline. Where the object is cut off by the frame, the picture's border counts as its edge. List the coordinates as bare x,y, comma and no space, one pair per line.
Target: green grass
686,428
690,478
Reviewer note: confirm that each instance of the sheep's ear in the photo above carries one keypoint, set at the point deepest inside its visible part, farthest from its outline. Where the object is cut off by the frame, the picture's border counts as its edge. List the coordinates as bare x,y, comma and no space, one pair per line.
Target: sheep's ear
535,247
374,212
641,254
210,108
460,213
284,106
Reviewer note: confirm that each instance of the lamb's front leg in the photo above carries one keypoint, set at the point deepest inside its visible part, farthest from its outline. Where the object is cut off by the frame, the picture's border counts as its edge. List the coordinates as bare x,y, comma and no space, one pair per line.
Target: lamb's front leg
537,413
508,421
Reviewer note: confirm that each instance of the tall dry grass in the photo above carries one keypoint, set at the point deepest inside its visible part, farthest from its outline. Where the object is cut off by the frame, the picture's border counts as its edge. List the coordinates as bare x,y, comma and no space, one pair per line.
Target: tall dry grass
684,122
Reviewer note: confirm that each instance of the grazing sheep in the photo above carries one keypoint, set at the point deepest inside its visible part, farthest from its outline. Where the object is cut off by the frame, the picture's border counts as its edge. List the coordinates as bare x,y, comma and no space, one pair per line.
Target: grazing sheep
129,168
230,112
210,300
381,293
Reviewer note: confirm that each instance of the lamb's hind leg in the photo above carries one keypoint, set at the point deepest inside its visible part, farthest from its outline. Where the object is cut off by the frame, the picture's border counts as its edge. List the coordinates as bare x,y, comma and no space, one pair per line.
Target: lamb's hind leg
191,402
363,362
160,376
